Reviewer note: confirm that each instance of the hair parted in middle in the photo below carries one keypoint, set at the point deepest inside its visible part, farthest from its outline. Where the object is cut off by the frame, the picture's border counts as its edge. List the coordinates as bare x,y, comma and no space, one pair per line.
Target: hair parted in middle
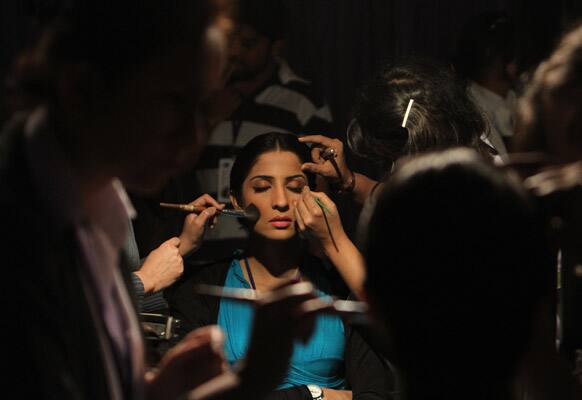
265,143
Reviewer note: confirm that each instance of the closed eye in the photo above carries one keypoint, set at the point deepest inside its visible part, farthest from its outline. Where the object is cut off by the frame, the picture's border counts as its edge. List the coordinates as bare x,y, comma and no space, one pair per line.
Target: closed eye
261,189
296,189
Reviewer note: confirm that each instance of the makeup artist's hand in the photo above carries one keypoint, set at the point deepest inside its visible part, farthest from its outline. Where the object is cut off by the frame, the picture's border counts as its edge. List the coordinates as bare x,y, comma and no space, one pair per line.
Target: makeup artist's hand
162,267
325,226
195,359
195,224
325,168
332,394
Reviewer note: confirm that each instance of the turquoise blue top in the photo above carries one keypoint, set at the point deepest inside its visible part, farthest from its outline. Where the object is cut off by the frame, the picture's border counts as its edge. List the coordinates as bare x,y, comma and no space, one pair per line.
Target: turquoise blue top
319,362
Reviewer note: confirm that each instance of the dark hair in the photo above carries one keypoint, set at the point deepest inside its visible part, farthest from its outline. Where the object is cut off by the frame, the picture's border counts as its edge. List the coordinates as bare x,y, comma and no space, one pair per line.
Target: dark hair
483,39
441,116
268,17
115,38
557,81
457,264
267,142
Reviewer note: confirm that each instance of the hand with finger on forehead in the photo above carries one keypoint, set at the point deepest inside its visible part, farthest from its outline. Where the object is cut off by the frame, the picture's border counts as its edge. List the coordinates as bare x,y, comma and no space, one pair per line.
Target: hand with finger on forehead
195,224
329,161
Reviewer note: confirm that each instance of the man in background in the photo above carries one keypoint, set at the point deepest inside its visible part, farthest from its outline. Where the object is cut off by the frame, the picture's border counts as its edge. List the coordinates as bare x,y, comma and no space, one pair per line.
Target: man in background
486,58
261,94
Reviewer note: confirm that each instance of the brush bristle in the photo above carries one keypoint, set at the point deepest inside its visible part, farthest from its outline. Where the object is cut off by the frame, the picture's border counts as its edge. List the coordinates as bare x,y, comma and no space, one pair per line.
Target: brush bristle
252,213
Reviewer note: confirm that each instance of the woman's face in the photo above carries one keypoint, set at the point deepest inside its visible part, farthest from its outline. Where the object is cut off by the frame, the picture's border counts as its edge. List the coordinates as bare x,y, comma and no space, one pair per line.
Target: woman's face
273,184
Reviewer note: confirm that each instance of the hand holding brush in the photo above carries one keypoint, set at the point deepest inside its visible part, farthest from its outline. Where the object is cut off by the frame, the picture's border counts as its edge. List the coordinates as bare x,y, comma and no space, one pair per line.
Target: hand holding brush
202,213
317,215
249,213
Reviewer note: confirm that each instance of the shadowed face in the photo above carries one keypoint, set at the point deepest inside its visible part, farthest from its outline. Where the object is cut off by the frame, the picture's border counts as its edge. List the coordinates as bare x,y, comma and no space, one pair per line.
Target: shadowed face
273,183
152,126
249,52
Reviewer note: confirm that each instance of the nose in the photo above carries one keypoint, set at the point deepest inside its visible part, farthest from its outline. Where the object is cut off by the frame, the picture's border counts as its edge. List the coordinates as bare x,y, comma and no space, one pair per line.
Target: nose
279,200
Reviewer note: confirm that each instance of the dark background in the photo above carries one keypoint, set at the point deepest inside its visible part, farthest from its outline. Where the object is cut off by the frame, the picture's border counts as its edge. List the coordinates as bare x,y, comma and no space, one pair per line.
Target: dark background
339,43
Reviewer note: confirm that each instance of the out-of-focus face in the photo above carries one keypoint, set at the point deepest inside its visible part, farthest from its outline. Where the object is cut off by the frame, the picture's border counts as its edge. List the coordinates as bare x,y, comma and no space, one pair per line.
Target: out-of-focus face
250,53
563,128
153,123
273,184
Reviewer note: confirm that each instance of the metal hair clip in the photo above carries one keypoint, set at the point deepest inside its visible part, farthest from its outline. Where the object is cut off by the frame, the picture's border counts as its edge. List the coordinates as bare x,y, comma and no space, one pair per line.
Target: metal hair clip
407,113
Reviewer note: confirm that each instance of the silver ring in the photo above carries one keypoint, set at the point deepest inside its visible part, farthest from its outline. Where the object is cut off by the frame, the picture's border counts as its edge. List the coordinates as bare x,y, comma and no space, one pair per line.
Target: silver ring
329,154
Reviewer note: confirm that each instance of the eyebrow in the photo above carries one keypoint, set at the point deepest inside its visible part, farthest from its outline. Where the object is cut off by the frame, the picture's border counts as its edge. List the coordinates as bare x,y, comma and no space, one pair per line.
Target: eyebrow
270,178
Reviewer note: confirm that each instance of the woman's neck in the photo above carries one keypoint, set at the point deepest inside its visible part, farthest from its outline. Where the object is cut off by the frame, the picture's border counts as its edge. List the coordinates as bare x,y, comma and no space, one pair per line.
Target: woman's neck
273,262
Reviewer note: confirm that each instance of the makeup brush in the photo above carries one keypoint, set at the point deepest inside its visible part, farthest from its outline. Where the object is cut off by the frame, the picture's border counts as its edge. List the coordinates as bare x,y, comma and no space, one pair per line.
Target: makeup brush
251,213
355,311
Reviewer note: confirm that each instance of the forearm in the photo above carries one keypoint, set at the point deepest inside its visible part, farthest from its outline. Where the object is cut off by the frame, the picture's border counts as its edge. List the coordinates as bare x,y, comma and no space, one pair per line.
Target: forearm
363,187
331,394
348,260
145,280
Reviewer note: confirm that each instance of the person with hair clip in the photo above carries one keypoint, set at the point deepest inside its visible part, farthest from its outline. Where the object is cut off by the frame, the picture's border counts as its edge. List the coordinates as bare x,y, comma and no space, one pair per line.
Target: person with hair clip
336,363
119,91
409,107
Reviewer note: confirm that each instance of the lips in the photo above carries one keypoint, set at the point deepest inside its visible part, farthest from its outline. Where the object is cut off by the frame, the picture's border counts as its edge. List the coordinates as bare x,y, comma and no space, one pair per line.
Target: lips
281,222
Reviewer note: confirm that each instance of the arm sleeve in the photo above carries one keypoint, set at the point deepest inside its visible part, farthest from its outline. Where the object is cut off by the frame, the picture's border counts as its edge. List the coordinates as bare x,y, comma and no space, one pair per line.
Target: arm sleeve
368,374
154,303
138,291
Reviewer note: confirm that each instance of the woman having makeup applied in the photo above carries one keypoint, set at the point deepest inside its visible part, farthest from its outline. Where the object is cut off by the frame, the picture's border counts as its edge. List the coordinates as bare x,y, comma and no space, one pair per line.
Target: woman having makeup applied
335,363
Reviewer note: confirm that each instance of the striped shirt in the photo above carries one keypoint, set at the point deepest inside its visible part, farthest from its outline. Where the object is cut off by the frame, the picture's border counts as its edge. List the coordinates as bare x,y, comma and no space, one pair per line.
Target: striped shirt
286,103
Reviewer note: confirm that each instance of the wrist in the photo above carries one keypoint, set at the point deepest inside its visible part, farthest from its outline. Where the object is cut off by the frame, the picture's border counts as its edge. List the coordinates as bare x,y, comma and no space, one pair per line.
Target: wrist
148,286
348,183
186,245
